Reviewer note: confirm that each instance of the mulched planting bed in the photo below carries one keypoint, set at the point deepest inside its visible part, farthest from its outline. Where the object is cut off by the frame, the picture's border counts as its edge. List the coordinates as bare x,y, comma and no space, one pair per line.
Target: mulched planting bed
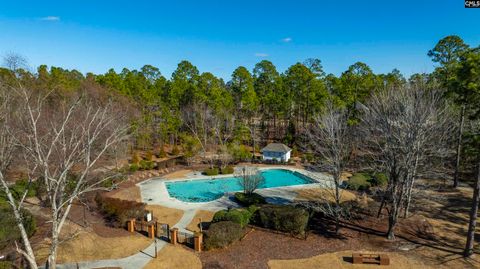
258,247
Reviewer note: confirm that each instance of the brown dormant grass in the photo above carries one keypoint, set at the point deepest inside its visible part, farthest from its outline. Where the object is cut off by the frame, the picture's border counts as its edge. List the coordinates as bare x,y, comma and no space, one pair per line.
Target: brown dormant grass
130,193
318,193
177,174
205,215
175,257
165,214
341,260
85,245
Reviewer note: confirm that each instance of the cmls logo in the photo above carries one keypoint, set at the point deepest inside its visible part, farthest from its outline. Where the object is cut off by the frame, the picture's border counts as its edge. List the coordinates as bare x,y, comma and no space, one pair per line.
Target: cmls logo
472,3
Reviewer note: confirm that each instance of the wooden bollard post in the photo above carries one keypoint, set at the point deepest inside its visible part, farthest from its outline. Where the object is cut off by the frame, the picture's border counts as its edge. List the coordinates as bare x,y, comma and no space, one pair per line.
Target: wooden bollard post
131,225
173,235
151,231
198,241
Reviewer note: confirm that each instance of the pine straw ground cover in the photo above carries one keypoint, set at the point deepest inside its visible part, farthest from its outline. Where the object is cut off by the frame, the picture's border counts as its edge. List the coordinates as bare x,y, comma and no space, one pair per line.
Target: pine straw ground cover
177,257
432,236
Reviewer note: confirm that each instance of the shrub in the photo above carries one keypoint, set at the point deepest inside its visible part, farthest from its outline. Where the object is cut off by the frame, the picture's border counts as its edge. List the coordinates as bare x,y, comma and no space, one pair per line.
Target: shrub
294,151
283,218
113,181
358,182
133,167
147,165
239,152
175,150
252,209
222,234
240,216
118,211
249,199
20,186
8,228
162,153
108,183
211,171
308,157
227,170
149,156
135,158
378,179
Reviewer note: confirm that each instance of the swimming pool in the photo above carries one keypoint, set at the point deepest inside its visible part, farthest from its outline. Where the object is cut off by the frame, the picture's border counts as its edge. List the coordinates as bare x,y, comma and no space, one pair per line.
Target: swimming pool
205,190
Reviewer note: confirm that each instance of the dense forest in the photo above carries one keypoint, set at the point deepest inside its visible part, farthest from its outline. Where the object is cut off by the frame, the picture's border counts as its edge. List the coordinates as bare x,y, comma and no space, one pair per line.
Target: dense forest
199,112
278,105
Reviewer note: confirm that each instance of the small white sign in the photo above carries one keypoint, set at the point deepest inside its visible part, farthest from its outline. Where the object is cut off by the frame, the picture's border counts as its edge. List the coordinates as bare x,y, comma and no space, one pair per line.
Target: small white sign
148,216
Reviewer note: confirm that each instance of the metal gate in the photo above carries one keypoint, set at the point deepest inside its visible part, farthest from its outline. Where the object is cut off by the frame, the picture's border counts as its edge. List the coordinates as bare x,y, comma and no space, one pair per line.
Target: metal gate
162,231
186,239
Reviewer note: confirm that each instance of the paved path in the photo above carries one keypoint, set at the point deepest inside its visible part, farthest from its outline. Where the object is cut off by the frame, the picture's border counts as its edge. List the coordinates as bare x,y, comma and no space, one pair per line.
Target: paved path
187,217
136,261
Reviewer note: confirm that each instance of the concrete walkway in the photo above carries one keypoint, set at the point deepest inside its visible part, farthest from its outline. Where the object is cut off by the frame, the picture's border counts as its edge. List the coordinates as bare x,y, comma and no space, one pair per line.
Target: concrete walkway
136,261
185,220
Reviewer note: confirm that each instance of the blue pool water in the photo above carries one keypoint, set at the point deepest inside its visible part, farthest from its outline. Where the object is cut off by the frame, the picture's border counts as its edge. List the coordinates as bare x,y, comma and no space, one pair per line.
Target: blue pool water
205,190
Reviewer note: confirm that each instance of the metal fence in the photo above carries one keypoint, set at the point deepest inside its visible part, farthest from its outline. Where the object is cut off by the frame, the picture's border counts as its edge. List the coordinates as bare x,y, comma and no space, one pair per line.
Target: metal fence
162,231
186,239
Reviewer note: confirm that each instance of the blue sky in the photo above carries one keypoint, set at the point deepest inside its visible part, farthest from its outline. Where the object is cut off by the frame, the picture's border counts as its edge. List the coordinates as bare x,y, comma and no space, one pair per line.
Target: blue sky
218,36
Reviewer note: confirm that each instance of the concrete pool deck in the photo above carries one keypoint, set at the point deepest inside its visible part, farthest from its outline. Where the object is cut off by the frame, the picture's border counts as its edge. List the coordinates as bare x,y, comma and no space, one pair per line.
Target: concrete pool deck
154,191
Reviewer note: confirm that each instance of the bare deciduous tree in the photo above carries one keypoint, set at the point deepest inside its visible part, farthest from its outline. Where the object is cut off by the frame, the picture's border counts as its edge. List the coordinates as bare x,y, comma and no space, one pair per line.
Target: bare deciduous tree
199,120
8,147
330,139
223,130
403,128
61,144
64,146
249,178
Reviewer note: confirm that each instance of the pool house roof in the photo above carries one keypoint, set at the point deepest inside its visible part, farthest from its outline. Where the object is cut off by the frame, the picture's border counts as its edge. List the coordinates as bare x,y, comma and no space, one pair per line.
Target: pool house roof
276,147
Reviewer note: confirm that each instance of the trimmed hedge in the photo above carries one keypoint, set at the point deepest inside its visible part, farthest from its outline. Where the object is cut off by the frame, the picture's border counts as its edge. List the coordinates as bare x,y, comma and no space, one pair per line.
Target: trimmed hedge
211,171
359,182
249,199
222,234
240,216
283,218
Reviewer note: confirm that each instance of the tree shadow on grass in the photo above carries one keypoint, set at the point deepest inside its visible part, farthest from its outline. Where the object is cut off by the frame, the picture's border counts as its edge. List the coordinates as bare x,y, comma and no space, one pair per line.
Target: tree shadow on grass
412,238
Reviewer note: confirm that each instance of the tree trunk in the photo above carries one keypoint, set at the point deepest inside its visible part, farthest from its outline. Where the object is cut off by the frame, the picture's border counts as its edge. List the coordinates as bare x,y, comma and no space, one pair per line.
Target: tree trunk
337,203
459,147
410,184
379,213
473,215
391,227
